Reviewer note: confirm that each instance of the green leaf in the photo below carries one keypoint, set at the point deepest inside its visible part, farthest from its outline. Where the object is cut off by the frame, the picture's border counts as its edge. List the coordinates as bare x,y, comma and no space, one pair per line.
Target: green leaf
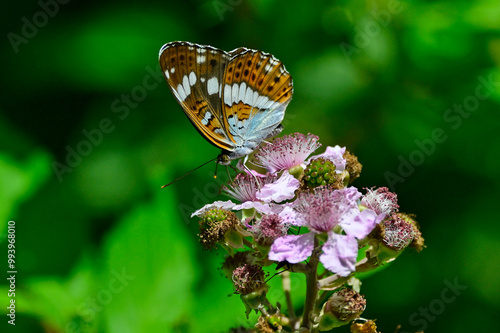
153,254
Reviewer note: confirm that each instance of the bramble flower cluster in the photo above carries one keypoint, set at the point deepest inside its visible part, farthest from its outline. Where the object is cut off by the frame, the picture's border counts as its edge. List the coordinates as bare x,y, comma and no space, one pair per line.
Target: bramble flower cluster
301,212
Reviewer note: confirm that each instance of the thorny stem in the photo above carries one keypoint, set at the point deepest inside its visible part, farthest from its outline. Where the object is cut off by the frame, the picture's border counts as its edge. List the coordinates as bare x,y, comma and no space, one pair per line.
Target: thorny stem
285,281
312,288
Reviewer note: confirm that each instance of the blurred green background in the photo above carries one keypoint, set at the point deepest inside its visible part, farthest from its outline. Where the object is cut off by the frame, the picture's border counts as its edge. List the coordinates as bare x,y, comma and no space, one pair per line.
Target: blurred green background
411,87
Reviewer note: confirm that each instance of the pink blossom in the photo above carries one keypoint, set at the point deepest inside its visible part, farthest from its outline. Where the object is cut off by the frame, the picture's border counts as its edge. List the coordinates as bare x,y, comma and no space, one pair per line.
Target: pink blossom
332,212
287,152
245,186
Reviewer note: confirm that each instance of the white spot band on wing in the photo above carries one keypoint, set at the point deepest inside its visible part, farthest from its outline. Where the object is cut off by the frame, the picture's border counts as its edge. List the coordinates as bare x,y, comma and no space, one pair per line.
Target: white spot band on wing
241,93
207,118
185,84
192,78
212,85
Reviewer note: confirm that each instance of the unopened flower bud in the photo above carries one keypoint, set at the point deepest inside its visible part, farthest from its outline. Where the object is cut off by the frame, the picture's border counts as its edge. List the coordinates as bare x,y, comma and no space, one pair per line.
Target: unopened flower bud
343,306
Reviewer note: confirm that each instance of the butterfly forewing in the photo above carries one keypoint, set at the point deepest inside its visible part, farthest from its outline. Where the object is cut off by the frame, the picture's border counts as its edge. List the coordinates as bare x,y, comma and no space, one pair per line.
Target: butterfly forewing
194,74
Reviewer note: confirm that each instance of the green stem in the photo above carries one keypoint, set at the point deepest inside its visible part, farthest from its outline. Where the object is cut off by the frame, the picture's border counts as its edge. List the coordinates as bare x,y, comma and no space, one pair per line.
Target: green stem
312,288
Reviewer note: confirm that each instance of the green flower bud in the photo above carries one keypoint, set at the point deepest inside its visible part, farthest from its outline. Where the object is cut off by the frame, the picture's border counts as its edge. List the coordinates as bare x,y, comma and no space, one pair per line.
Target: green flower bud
320,172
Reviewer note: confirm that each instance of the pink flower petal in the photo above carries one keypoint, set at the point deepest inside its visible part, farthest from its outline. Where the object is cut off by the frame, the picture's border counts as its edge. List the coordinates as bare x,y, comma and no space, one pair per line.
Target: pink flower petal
360,225
217,204
339,254
282,189
261,207
288,215
292,248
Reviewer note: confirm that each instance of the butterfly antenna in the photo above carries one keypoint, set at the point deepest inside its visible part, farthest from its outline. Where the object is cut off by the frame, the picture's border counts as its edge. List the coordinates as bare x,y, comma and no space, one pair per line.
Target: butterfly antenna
189,172
280,265
227,169
215,174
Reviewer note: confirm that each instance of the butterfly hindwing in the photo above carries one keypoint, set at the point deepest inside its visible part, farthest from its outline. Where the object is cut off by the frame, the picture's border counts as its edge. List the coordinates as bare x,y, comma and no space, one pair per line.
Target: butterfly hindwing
257,90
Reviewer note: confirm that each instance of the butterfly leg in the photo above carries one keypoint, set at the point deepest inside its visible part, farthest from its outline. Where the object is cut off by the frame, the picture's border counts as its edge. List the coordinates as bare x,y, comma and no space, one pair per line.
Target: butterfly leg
228,173
245,160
